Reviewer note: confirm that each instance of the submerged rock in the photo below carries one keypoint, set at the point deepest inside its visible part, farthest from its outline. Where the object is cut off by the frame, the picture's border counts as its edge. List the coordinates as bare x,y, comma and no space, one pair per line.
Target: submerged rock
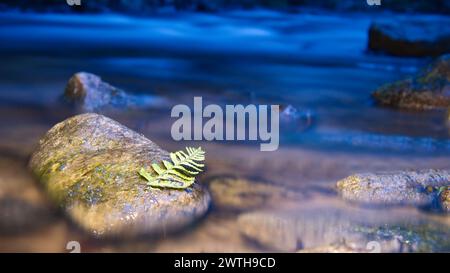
417,188
296,229
89,166
335,230
88,92
410,237
430,89
239,194
410,37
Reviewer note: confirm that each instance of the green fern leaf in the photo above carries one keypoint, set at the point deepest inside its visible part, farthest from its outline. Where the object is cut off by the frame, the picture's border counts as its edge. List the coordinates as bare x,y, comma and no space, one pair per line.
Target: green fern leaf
178,174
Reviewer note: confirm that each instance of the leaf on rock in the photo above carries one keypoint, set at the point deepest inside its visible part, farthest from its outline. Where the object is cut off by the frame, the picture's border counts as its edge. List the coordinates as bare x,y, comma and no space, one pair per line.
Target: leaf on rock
178,174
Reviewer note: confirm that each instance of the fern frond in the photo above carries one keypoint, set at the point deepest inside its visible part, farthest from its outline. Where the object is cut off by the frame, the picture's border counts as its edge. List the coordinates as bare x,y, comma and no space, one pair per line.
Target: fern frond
178,174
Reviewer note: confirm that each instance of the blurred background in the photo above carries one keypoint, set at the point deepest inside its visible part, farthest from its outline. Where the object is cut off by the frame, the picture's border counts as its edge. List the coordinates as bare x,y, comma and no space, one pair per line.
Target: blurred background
314,58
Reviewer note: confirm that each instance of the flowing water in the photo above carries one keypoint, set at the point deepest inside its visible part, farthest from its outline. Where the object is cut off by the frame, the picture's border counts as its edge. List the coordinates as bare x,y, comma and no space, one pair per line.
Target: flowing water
315,62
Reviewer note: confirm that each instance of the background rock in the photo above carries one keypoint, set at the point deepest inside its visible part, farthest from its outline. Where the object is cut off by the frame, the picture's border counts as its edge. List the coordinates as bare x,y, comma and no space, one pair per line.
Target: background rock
90,93
418,188
410,37
428,90
89,166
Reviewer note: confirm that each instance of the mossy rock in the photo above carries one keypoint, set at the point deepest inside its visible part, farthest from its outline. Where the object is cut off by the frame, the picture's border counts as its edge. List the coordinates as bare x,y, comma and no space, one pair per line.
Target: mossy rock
89,166
415,188
419,237
430,89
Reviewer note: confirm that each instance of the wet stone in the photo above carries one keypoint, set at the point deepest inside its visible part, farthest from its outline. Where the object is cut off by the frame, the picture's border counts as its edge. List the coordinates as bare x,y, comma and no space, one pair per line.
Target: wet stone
430,89
89,166
410,36
416,188
335,230
89,93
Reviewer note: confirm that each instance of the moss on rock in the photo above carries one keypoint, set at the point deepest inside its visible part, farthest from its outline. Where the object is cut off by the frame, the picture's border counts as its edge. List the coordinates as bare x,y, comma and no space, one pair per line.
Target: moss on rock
394,188
430,89
89,166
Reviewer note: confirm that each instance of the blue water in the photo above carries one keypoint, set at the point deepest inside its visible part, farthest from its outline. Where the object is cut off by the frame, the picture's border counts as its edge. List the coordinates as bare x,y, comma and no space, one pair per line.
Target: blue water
315,62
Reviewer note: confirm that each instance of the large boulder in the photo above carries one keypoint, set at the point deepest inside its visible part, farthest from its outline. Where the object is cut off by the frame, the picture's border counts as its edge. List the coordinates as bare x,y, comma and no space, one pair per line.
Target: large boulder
416,188
430,89
410,37
89,166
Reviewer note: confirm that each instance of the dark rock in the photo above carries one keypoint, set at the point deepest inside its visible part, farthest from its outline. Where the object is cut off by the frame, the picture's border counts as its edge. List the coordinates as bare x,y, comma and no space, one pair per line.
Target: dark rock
88,92
23,207
410,37
430,89
89,166
417,188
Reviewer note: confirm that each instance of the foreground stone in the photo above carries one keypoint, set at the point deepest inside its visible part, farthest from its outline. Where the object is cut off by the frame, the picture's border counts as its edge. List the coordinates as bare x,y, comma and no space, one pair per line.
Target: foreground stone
430,89
417,188
410,36
89,93
89,166
325,230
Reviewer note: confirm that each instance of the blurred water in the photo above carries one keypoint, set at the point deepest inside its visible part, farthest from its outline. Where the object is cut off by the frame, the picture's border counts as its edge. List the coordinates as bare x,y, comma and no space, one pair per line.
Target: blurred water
314,62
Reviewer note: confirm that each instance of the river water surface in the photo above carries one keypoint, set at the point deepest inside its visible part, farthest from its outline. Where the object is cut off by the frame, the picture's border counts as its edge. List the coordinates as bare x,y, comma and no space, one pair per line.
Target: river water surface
315,62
